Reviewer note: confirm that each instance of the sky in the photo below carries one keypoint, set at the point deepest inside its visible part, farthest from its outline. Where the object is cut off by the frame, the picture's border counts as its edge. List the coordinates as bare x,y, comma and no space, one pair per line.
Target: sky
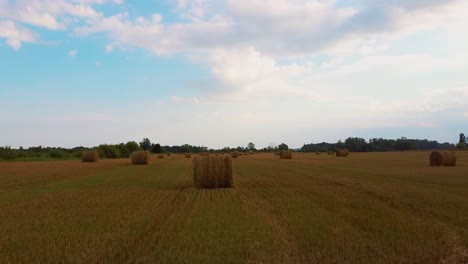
228,72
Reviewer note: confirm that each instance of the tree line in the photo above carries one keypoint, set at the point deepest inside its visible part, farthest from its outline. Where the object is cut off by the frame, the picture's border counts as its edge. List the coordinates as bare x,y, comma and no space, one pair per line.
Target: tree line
124,150
356,144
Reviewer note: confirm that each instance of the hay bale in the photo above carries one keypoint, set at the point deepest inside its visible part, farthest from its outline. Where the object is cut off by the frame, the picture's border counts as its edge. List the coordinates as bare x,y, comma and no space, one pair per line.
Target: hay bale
213,172
140,157
90,156
168,154
235,154
342,152
318,153
160,156
188,155
442,158
285,154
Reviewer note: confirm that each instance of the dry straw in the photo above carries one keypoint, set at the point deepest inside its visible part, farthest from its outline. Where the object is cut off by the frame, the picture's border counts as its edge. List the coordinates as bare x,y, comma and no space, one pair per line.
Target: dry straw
442,158
277,153
331,152
188,155
318,153
160,156
90,156
235,154
213,172
342,152
285,154
140,157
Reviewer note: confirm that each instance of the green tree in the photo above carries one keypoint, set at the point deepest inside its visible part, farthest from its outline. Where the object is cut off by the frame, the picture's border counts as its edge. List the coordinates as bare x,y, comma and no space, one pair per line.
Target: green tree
283,146
132,146
462,138
145,144
251,146
156,148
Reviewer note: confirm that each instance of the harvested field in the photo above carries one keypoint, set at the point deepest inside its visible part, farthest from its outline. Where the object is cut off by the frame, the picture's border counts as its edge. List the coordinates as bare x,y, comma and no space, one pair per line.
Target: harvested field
367,208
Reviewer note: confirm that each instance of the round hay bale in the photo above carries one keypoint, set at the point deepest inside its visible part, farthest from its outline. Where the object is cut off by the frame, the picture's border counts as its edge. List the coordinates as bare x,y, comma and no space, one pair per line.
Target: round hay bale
235,154
318,153
140,157
188,155
342,152
213,172
90,156
442,158
161,156
285,154
168,154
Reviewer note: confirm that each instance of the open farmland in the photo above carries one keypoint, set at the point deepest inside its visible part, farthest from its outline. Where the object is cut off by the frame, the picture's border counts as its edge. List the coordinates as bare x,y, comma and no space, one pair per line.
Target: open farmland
365,208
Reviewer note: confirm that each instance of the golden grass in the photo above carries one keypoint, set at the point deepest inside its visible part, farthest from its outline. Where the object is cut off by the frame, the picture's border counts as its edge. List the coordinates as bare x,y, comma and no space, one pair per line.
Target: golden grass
90,156
368,208
213,172
140,157
442,158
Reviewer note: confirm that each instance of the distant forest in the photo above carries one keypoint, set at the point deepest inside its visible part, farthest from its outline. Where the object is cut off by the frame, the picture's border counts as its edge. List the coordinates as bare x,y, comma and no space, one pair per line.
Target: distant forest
355,144
123,150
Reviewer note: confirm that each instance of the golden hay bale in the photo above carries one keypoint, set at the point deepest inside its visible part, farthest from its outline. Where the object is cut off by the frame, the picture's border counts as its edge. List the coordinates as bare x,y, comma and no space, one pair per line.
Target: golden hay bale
160,156
331,152
168,154
285,154
442,158
235,154
188,155
318,153
90,156
342,152
213,172
140,157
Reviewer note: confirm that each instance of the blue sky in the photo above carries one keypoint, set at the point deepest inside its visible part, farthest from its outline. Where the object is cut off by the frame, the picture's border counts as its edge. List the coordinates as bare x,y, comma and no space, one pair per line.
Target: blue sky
228,72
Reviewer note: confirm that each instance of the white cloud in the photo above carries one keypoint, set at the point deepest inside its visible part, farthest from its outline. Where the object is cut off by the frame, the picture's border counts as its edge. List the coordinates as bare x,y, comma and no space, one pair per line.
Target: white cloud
109,48
72,53
16,35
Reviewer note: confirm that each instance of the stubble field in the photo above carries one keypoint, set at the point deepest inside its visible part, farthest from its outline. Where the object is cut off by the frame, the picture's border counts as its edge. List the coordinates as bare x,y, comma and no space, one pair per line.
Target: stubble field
366,208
